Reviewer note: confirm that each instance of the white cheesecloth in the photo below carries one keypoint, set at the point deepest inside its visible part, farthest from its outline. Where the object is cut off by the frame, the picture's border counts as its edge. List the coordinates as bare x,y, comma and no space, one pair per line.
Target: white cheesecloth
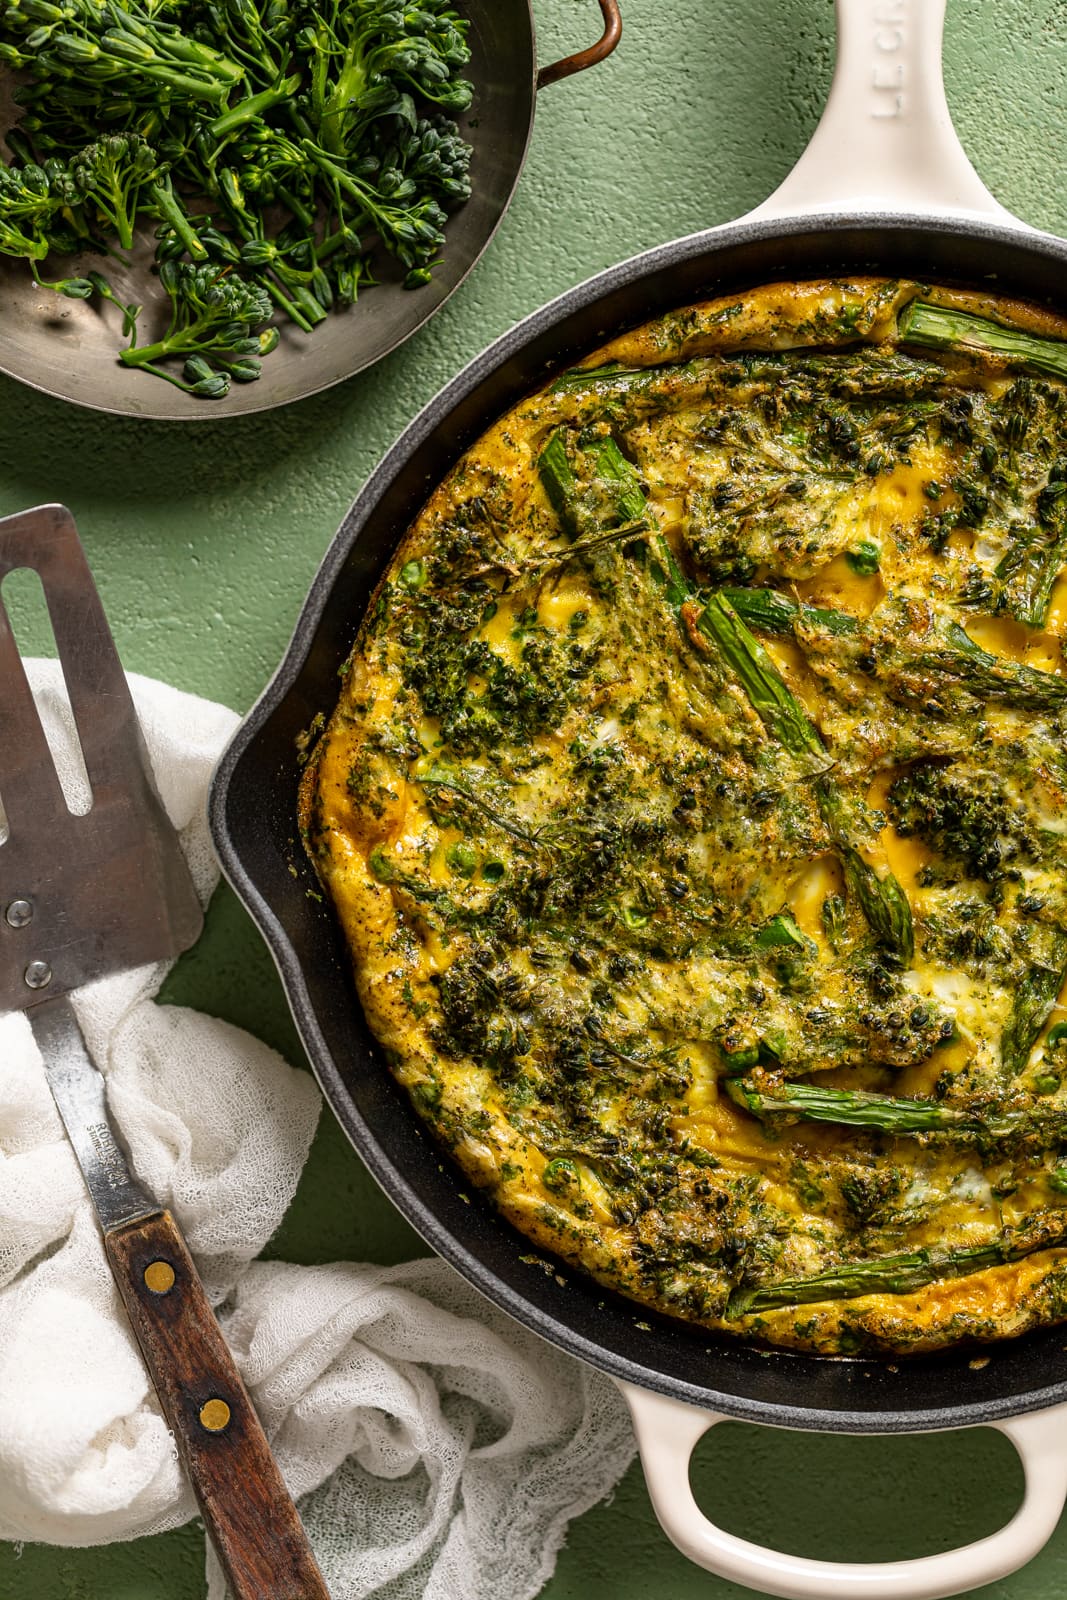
439,1448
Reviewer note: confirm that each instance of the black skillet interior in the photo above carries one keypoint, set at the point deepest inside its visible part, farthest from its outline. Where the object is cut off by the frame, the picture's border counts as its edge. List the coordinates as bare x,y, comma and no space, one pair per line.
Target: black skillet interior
253,803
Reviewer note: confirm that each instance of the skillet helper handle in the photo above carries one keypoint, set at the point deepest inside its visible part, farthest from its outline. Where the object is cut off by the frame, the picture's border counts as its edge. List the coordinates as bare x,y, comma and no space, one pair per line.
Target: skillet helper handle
885,142
252,1521
668,1431
587,58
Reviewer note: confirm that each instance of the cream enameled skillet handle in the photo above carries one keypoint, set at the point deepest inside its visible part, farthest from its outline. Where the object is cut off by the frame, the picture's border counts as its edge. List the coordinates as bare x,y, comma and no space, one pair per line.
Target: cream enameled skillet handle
886,143
668,1432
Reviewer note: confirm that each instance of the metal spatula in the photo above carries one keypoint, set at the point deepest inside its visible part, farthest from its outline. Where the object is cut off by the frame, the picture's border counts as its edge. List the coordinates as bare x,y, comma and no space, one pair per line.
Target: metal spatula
82,897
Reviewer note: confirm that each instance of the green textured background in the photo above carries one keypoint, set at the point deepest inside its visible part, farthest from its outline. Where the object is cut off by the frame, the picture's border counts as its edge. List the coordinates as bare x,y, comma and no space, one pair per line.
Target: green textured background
204,540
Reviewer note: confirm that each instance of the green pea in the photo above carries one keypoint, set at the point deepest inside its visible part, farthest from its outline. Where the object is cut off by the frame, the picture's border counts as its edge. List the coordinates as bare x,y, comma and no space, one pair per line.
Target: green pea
865,559
413,574
493,871
461,859
1046,1083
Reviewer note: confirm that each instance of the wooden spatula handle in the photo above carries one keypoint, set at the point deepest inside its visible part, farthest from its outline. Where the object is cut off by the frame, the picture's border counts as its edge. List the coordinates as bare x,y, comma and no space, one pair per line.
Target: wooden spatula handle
252,1521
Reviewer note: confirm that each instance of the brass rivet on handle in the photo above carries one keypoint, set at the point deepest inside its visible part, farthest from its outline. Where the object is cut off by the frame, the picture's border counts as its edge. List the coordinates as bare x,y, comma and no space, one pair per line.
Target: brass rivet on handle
214,1415
159,1277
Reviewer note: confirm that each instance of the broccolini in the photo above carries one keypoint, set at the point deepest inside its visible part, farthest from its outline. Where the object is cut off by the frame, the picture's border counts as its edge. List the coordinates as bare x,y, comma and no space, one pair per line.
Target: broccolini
292,144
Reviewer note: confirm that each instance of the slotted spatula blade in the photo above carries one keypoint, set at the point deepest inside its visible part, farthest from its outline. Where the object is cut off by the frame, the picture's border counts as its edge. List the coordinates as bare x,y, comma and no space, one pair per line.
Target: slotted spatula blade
82,897
95,893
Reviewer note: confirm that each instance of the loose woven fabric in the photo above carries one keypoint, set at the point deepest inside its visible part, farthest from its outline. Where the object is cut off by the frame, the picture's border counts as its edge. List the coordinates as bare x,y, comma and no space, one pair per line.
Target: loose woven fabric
439,1449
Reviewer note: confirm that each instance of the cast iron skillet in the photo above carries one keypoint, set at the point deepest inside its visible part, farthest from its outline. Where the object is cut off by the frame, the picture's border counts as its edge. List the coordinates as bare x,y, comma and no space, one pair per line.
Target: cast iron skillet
902,198
69,347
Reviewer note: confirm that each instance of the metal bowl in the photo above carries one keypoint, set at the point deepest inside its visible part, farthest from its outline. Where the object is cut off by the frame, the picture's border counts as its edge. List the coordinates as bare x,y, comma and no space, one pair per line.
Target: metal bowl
68,348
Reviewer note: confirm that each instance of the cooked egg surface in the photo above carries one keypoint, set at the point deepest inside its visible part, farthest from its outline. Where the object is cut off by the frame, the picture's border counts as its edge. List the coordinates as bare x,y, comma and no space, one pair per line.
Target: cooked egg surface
695,808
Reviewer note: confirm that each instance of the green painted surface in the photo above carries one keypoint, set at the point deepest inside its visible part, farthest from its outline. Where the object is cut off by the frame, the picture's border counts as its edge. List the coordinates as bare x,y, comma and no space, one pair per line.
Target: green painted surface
204,540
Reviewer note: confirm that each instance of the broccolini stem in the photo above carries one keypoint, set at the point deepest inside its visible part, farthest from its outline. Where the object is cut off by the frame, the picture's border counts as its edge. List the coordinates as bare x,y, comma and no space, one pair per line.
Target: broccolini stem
147,355
295,297
939,328
249,110
170,209
305,215
1035,996
896,1274
13,243
113,58
282,300
854,1108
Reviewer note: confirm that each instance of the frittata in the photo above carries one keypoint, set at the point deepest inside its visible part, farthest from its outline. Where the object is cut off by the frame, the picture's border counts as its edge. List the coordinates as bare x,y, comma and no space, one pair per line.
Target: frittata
695,809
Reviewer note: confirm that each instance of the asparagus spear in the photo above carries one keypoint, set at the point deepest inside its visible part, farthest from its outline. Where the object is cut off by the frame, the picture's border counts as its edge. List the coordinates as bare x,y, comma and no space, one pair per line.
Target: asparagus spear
1031,571
613,466
768,611
896,1274
881,899
1034,999
780,711
959,664
854,1108
939,328
560,484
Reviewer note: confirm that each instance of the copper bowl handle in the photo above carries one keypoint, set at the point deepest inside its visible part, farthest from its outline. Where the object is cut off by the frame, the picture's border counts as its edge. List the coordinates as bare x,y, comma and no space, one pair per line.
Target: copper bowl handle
587,58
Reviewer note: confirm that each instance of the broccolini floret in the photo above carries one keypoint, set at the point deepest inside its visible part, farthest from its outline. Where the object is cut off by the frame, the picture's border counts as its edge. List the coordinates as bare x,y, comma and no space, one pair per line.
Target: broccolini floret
32,201
109,176
964,816
290,141
214,318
